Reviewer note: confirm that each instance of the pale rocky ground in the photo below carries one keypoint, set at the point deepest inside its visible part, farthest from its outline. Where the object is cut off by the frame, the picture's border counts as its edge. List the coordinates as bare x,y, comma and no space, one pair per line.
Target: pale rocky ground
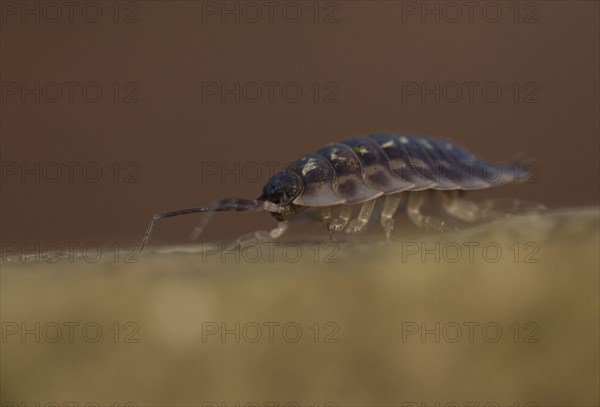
365,305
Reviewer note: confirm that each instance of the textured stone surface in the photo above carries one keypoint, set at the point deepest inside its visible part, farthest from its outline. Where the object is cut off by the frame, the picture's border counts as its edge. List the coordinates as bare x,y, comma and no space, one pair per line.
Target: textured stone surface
367,304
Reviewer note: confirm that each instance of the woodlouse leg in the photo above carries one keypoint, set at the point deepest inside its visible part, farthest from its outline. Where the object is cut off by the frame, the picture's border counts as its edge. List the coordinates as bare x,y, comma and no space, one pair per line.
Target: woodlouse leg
497,208
341,221
327,218
366,210
413,210
459,208
262,235
390,205
231,204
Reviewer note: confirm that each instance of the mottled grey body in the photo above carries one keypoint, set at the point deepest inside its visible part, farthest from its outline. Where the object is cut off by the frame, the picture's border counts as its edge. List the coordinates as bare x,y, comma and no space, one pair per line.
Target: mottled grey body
363,168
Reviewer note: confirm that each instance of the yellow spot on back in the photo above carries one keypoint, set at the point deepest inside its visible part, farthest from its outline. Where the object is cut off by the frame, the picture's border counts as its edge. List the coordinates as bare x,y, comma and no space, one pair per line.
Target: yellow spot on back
387,144
361,150
404,140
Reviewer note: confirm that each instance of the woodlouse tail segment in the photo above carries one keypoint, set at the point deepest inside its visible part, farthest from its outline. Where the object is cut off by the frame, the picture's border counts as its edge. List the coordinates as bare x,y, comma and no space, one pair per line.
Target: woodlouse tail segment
223,205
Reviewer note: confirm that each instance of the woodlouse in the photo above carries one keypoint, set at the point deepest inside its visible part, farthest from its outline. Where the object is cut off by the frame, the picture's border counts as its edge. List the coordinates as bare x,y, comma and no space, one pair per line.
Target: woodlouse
359,171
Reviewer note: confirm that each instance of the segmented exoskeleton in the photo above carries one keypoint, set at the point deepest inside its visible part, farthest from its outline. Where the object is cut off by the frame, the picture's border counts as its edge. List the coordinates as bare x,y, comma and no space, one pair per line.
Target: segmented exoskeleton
362,171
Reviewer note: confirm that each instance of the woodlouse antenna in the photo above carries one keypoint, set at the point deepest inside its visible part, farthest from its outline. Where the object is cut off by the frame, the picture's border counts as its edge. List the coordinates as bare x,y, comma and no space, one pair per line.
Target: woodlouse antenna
224,205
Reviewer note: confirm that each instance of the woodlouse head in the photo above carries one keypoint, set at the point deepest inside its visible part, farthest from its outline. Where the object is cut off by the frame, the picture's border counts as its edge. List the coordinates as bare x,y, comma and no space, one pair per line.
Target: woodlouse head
281,189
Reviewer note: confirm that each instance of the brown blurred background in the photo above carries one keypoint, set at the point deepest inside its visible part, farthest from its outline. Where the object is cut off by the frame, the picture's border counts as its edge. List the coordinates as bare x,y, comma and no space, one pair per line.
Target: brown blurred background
164,128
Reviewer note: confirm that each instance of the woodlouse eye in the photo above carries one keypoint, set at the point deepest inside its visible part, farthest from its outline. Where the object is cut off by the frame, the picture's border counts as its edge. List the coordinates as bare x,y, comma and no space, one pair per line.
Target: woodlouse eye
282,188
